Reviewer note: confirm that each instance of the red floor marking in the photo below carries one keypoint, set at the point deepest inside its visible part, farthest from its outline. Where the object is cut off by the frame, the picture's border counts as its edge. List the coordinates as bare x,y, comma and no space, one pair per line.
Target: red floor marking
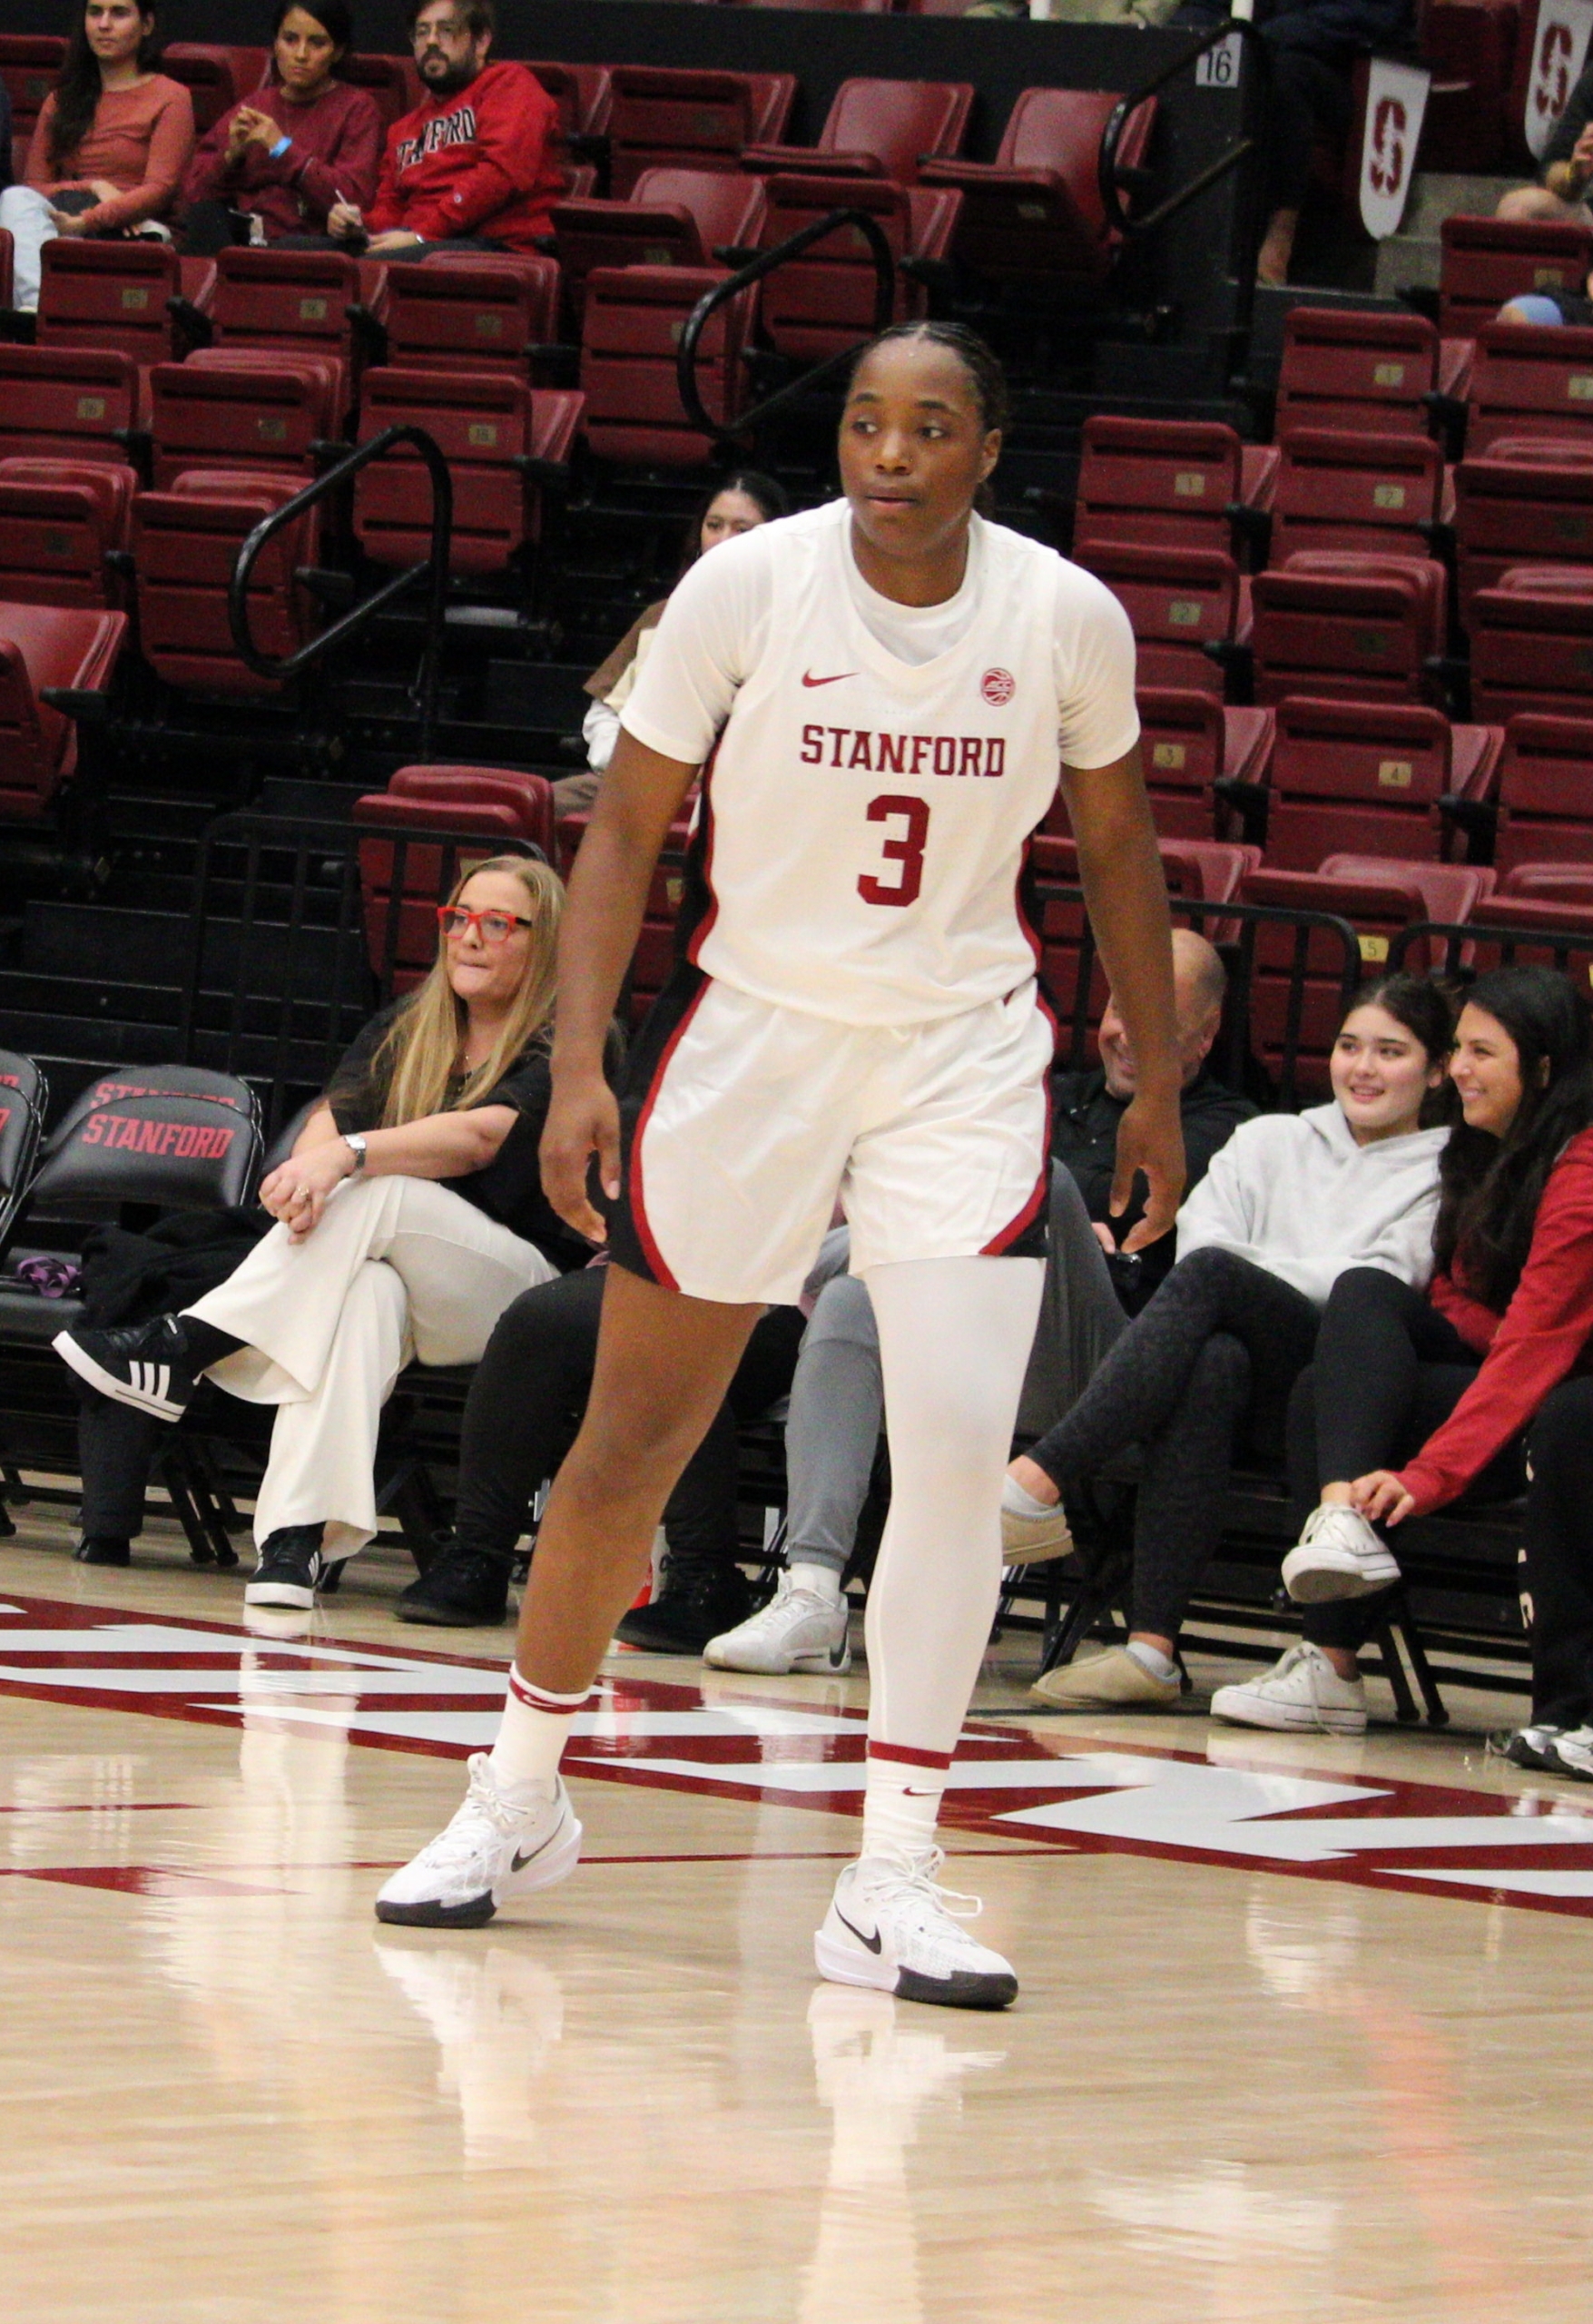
1530,1844
141,1880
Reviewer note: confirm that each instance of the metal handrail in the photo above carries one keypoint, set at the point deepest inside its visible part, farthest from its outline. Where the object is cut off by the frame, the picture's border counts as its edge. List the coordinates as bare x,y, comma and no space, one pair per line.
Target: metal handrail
1459,936
1258,86
766,263
434,569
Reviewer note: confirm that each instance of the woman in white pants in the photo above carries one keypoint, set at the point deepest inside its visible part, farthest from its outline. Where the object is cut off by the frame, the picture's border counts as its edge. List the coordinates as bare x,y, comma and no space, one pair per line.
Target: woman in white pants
408,1215
111,142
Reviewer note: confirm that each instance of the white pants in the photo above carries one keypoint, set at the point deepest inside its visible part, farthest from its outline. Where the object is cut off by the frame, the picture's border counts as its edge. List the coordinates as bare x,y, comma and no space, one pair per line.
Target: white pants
25,214
397,1268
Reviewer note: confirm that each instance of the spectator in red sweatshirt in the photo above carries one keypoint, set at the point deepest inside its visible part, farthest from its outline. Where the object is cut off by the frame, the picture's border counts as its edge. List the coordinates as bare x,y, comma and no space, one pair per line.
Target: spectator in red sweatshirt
303,141
1492,1365
475,165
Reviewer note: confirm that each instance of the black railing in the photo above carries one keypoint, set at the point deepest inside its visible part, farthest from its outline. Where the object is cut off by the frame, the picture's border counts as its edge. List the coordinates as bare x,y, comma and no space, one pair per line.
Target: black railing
1460,938
433,569
1234,929
289,953
1254,87
727,434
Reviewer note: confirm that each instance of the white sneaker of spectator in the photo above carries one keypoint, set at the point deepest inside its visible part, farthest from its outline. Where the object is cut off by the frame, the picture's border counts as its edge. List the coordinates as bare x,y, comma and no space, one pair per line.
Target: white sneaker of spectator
1338,1555
797,1629
1303,1691
1572,1754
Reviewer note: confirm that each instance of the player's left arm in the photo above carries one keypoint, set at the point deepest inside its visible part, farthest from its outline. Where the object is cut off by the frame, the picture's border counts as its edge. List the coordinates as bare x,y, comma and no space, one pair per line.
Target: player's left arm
1127,895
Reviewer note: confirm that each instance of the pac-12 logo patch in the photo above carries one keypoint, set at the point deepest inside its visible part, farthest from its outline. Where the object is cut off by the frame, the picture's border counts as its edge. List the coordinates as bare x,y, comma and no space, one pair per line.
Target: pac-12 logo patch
997,686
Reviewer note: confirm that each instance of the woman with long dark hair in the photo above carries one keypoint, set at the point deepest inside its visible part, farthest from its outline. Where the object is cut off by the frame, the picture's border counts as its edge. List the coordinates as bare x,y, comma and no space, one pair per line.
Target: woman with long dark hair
739,505
1450,1386
302,142
112,140
1288,1204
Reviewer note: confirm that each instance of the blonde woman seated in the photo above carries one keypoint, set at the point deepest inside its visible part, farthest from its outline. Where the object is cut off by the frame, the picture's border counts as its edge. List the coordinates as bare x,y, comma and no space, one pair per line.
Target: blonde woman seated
409,1214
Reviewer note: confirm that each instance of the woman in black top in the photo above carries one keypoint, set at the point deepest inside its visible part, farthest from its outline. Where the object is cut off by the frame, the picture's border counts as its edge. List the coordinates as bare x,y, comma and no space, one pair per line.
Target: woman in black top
409,1214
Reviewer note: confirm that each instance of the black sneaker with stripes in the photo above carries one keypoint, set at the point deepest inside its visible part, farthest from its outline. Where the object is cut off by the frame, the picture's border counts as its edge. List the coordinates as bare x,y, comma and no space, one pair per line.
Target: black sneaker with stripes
147,1365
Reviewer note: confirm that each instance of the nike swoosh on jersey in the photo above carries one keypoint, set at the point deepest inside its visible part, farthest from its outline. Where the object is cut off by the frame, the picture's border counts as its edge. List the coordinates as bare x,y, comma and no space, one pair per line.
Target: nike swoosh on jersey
810,680
869,1944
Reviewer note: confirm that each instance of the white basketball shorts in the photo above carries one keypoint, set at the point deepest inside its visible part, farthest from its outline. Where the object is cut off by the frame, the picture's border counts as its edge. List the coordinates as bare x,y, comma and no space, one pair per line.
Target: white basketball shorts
743,1121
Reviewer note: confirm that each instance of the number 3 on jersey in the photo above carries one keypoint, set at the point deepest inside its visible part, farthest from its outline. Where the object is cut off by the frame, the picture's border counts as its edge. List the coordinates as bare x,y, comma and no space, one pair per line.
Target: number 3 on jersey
904,848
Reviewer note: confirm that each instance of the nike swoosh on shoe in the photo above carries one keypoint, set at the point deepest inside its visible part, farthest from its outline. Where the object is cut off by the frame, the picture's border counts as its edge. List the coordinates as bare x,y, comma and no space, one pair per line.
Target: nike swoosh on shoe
869,1944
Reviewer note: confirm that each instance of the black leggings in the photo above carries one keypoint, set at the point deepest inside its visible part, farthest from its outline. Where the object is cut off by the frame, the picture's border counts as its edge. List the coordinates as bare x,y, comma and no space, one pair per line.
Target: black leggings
1213,1357
1559,1572
530,1391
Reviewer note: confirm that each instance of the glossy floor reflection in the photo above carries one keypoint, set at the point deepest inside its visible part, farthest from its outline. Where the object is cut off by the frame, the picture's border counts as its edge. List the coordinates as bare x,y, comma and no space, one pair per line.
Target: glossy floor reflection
1276,2081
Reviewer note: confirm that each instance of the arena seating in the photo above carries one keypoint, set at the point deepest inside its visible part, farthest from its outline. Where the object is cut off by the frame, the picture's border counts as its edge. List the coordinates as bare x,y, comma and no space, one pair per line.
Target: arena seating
186,538
1529,500
1532,643
29,62
108,295
301,301
876,129
1487,260
74,404
1189,745
633,320
1188,483
495,805
504,443
65,528
672,217
216,78
237,408
1343,490
1544,811
1530,381
698,120
823,302
391,81
484,313
1345,369
1346,623
44,650
1181,602
1035,213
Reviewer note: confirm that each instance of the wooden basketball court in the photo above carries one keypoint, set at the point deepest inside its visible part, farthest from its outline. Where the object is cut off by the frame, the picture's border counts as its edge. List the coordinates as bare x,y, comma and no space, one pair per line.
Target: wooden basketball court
1303,2030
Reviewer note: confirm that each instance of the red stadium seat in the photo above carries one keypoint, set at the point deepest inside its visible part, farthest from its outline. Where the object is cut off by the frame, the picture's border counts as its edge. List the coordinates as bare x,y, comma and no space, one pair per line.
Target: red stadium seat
1570,883
1357,491
490,427
1549,930
823,301
237,408
1179,601
1034,213
484,313
531,795
1487,260
1342,368
674,217
216,78
1530,380
29,62
1532,643
634,317
1188,743
391,81
1368,775
1529,500
1545,802
109,295
299,301
1355,627
1187,484
583,95
62,523
663,113
186,542
47,648
74,403
877,129
1200,870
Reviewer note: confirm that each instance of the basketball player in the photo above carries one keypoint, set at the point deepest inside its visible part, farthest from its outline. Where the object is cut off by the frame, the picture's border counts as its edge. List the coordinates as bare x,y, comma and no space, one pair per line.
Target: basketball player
896,688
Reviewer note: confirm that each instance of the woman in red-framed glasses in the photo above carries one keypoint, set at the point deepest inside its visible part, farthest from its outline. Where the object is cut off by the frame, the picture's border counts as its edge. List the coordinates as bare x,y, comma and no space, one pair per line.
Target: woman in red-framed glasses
409,1214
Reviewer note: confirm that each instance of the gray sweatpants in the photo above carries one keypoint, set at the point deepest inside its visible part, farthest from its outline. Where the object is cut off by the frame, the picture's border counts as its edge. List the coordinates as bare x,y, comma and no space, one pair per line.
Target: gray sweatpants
837,1400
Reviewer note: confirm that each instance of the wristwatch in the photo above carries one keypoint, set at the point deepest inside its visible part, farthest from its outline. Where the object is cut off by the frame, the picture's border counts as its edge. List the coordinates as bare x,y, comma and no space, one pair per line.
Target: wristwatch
356,1145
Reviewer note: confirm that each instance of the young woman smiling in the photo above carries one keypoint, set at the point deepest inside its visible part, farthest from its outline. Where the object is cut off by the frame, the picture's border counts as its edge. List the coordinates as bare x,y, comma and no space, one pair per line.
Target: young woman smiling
409,1214
1289,1204
1462,1373
302,142
112,140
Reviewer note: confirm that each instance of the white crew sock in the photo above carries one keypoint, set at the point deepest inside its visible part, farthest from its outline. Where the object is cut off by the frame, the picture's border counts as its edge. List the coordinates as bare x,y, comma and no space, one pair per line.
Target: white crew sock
1152,1659
531,1740
901,1800
1019,1501
820,1581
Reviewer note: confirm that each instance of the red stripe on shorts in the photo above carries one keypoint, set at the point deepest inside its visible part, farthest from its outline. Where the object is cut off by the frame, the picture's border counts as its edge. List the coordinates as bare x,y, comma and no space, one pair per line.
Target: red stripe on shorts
1042,1191
908,1757
645,1235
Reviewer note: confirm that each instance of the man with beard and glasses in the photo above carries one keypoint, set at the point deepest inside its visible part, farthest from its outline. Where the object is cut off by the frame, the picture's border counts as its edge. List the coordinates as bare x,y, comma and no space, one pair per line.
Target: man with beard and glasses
475,165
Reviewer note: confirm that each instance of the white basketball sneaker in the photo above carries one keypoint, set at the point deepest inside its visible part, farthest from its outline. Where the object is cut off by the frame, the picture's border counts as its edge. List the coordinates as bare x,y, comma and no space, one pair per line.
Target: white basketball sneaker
796,1630
1338,1555
890,1927
490,1852
1303,1691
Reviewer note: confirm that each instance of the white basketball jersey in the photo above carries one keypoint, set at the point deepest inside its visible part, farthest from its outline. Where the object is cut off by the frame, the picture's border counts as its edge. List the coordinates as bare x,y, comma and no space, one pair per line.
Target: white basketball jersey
864,821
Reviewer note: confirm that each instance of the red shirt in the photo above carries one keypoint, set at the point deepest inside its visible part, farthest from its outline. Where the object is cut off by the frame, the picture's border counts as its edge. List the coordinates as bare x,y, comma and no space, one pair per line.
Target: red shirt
480,161
1541,1338
335,147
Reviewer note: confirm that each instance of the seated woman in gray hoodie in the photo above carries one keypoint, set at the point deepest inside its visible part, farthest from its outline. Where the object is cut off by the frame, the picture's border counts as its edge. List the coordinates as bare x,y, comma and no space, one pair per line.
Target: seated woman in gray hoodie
1287,1205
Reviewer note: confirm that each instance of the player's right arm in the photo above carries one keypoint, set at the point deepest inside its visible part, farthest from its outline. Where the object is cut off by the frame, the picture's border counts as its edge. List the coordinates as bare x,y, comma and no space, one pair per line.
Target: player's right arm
641,795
